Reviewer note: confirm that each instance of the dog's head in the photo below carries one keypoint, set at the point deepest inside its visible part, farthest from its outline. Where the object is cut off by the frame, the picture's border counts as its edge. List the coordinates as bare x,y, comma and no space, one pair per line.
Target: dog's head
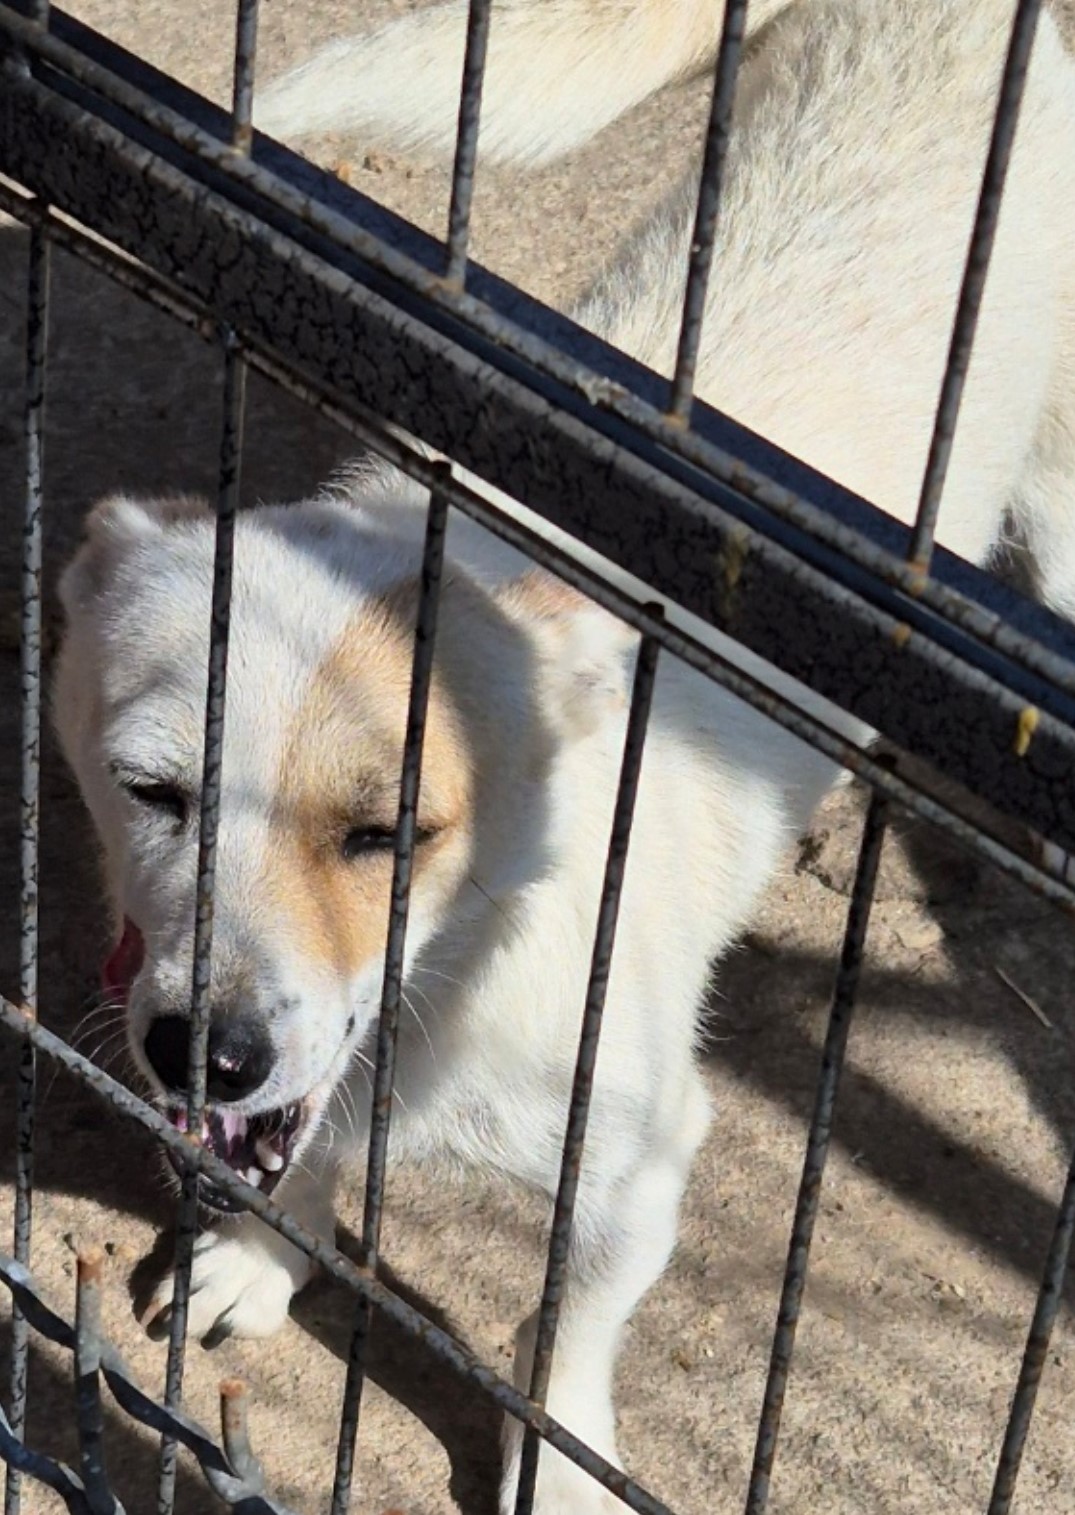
322,621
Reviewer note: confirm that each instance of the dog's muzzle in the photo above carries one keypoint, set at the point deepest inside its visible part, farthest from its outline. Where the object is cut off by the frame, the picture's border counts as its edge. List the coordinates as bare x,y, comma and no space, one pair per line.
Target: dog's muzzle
257,1147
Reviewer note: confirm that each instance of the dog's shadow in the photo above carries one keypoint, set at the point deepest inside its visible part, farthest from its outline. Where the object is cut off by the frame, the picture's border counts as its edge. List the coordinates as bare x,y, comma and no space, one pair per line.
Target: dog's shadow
467,1426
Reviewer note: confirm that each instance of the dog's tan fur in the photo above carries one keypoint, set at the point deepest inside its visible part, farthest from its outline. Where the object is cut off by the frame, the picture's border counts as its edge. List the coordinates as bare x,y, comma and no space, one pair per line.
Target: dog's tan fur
339,770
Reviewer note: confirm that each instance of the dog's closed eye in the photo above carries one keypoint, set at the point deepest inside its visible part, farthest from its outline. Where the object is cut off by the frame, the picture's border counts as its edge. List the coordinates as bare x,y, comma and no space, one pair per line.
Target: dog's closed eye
361,841
166,798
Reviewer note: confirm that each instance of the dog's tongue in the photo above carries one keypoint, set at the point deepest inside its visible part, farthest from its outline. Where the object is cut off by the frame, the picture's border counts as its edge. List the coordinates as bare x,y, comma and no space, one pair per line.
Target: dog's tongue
123,962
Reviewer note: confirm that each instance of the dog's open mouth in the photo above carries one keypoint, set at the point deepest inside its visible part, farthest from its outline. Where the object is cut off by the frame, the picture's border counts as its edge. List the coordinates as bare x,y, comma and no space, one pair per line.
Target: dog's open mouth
258,1148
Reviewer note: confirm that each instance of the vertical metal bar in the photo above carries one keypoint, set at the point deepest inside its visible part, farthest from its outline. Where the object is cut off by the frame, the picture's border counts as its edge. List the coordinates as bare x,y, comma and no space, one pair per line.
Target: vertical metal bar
242,94
227,504
466,142
88,1408
37,306
919,555
235,1432
1046,1310
817,1149
391,994
187,1216
974,277
582,1087
710,185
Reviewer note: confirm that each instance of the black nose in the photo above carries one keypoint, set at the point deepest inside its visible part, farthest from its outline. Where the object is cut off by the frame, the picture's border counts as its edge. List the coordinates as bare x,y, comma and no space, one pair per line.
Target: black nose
240,1055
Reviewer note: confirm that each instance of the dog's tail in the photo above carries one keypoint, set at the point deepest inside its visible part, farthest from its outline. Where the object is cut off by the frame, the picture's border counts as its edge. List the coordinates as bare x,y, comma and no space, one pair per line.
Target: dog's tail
558,71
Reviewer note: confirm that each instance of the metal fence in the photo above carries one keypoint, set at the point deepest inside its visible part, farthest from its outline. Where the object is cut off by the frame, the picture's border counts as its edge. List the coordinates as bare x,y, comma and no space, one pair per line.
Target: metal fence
391,333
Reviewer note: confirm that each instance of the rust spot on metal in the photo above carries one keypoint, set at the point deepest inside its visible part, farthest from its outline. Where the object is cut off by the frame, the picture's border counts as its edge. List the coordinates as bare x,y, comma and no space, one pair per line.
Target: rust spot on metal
1025,727
901,634
233,1406
91,1264
599,390
729,566
918,576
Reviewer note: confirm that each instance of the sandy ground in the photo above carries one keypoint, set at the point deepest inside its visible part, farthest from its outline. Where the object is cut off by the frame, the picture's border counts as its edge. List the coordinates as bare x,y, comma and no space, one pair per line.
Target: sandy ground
957,1109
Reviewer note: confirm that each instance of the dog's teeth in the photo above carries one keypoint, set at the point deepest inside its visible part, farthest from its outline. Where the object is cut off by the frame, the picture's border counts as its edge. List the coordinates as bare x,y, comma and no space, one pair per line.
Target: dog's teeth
234,1125
270,1160
253,1176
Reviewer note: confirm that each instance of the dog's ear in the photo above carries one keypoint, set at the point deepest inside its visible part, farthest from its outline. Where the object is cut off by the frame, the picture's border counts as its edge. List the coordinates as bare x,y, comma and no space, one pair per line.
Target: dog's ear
584,648
115,524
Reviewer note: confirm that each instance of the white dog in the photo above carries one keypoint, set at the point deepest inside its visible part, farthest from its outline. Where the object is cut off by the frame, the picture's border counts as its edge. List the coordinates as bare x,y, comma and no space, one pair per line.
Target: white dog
861,134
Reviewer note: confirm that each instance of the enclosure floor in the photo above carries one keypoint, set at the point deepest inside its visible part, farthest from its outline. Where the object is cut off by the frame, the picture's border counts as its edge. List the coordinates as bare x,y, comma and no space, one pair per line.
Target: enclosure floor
958,1106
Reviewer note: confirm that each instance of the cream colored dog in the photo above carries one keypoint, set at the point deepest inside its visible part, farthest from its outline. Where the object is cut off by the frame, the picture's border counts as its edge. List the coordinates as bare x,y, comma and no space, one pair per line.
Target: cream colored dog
861,134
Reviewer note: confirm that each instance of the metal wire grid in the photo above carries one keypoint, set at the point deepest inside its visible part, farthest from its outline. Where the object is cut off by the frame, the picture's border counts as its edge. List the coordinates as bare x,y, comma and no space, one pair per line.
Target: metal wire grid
753,510
1030,641
232,1470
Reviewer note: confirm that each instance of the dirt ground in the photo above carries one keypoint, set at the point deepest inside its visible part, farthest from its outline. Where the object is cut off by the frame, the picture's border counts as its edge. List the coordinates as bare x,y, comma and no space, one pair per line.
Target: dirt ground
958,1105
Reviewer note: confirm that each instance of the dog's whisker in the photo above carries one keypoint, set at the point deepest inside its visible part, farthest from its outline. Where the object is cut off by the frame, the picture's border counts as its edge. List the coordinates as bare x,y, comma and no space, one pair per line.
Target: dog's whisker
347,1104
108,1010
434,1010
421,1024
104,1014
436,973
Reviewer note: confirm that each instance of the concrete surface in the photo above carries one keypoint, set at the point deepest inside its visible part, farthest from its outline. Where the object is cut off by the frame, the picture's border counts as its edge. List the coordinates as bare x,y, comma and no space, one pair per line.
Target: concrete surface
957,1109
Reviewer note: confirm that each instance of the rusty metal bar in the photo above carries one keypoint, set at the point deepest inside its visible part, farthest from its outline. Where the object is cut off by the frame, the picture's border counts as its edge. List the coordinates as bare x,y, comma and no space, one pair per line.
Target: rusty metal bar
244,62
235,1431
817,1150
201,991
974,276
1046,1309
586,1062
37,315
707,211
89,1411
227,504
391,997
466,143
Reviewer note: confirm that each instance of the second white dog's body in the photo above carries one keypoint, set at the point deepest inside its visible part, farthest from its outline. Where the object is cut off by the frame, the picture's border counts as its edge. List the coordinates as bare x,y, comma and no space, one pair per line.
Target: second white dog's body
861,135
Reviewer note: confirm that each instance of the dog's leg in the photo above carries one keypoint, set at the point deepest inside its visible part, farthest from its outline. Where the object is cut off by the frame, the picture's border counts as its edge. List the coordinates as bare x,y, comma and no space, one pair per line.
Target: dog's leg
245,1273
623,1238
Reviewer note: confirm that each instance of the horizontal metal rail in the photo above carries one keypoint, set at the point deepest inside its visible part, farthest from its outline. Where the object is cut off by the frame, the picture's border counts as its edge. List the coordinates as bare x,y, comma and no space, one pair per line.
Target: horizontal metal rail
950,695
558,349
1028,865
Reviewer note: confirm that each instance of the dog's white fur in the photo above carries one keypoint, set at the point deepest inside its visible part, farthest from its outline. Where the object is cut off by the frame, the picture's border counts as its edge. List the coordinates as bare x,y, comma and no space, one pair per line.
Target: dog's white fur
557,72
860,138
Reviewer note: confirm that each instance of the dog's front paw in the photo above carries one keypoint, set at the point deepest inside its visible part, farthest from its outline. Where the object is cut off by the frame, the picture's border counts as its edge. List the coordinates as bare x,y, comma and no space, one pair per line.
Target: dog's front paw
241,1284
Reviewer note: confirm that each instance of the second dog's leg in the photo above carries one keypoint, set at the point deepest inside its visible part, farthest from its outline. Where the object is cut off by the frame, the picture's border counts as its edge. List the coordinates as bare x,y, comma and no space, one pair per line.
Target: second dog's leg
622,1242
